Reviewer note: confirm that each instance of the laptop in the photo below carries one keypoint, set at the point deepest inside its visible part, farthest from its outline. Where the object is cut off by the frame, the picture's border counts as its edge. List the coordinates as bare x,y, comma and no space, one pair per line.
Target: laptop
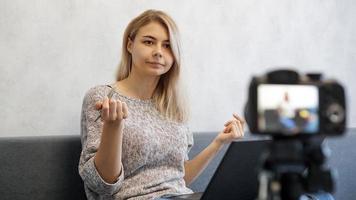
236,175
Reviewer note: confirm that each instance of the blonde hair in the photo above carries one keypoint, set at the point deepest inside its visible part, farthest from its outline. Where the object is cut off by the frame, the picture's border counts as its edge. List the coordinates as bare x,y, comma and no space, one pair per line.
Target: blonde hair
167,95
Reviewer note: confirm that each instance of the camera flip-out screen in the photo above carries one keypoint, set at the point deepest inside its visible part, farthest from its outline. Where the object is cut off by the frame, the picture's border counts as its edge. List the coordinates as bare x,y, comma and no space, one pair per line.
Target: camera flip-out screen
286,108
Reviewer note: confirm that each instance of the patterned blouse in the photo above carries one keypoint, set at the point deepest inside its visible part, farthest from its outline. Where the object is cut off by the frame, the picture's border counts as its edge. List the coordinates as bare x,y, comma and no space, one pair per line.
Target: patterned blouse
153,151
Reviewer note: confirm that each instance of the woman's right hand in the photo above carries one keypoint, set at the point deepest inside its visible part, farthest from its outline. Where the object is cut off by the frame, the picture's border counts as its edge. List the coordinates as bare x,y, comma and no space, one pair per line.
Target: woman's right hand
112,111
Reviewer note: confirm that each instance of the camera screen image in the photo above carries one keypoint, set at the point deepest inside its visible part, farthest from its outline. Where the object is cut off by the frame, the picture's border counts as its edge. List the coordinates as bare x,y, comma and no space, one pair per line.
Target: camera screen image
288,109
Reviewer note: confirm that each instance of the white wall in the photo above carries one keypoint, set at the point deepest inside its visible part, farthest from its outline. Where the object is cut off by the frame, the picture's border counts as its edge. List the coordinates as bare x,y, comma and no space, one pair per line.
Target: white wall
53,51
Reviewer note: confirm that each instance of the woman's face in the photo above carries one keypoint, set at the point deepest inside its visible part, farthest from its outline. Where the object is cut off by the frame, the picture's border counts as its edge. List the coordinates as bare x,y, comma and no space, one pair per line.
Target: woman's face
150,50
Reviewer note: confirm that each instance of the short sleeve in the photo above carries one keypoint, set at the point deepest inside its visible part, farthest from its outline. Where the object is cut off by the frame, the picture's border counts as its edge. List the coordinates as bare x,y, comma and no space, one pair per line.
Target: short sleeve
90,137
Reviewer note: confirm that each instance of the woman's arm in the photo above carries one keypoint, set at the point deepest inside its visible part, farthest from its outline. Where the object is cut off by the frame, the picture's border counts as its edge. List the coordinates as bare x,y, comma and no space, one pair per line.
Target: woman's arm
91,136
233,129
107,159
194,167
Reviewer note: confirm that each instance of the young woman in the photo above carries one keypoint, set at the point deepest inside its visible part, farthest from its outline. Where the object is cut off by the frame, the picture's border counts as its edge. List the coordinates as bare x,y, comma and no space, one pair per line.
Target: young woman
138,149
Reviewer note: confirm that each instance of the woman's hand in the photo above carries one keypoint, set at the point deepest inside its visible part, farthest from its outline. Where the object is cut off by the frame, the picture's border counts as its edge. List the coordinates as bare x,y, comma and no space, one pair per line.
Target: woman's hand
112,111
234,129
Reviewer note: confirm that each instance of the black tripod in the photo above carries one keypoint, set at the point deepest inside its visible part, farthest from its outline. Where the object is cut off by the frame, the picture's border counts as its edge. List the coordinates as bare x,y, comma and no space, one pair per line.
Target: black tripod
293,168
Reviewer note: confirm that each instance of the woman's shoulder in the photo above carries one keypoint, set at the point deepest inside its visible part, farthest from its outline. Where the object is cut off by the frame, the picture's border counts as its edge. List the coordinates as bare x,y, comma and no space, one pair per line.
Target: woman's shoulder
96,92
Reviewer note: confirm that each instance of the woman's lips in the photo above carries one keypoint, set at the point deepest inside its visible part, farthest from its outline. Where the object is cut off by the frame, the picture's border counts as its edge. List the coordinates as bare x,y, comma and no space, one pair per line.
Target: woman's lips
156,64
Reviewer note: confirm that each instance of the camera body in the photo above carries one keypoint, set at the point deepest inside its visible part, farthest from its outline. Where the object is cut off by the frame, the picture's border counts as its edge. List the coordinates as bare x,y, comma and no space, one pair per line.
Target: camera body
284,103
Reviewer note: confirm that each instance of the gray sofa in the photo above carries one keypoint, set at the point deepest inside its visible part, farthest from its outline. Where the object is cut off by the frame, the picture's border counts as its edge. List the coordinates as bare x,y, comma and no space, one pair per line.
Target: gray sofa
46,167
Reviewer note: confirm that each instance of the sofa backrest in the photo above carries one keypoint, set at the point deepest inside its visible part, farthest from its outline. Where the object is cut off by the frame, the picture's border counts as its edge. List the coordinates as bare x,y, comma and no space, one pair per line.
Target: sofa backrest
47,167
40,168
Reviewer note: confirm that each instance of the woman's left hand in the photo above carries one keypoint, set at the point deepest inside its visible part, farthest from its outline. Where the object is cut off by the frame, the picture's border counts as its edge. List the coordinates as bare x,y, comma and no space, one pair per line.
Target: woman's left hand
234,129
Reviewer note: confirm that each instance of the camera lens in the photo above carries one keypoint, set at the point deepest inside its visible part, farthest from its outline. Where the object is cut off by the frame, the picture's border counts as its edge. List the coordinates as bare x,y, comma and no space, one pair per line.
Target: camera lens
335,113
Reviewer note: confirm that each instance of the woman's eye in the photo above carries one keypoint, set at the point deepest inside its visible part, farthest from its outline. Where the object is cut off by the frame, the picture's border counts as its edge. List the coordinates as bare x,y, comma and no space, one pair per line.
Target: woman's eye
167,46
148,42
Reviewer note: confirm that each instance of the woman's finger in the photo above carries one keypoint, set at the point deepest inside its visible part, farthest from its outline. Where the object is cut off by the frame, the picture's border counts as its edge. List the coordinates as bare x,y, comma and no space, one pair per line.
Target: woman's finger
234,129
235,118
239,118
124,110
119,110
240,128
228,122
238,132
98,105
227,129
105,109
112,110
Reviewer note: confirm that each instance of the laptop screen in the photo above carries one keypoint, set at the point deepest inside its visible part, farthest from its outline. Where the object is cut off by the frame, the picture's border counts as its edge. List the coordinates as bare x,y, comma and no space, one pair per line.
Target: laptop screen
236,175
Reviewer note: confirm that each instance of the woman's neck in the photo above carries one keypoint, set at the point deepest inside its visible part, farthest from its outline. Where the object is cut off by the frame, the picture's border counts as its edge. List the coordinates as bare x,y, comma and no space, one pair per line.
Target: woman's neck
137,86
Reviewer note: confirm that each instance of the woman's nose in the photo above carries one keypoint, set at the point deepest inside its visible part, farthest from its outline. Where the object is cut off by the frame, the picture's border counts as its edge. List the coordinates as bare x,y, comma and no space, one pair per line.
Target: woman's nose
157,51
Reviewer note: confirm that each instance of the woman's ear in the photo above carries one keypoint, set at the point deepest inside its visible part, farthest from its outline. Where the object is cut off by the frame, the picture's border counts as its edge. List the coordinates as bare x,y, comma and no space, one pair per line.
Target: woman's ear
129,45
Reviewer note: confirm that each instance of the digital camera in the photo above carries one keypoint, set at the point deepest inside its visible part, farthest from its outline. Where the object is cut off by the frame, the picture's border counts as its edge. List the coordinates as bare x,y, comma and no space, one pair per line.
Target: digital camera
285,103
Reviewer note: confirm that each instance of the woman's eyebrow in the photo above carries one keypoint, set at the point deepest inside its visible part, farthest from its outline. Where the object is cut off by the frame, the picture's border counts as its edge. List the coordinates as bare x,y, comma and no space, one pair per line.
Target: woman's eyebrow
148,36
153,38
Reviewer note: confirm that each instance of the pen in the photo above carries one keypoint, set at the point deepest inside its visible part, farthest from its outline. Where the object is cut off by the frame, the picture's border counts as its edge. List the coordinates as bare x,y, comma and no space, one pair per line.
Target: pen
111,93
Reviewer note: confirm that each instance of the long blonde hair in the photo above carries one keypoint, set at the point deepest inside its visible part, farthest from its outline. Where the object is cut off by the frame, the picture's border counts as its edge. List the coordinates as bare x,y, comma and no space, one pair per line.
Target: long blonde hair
167,95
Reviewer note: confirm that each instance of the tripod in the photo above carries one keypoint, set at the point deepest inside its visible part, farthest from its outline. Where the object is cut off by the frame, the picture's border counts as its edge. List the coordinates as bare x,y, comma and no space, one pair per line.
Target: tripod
293,169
